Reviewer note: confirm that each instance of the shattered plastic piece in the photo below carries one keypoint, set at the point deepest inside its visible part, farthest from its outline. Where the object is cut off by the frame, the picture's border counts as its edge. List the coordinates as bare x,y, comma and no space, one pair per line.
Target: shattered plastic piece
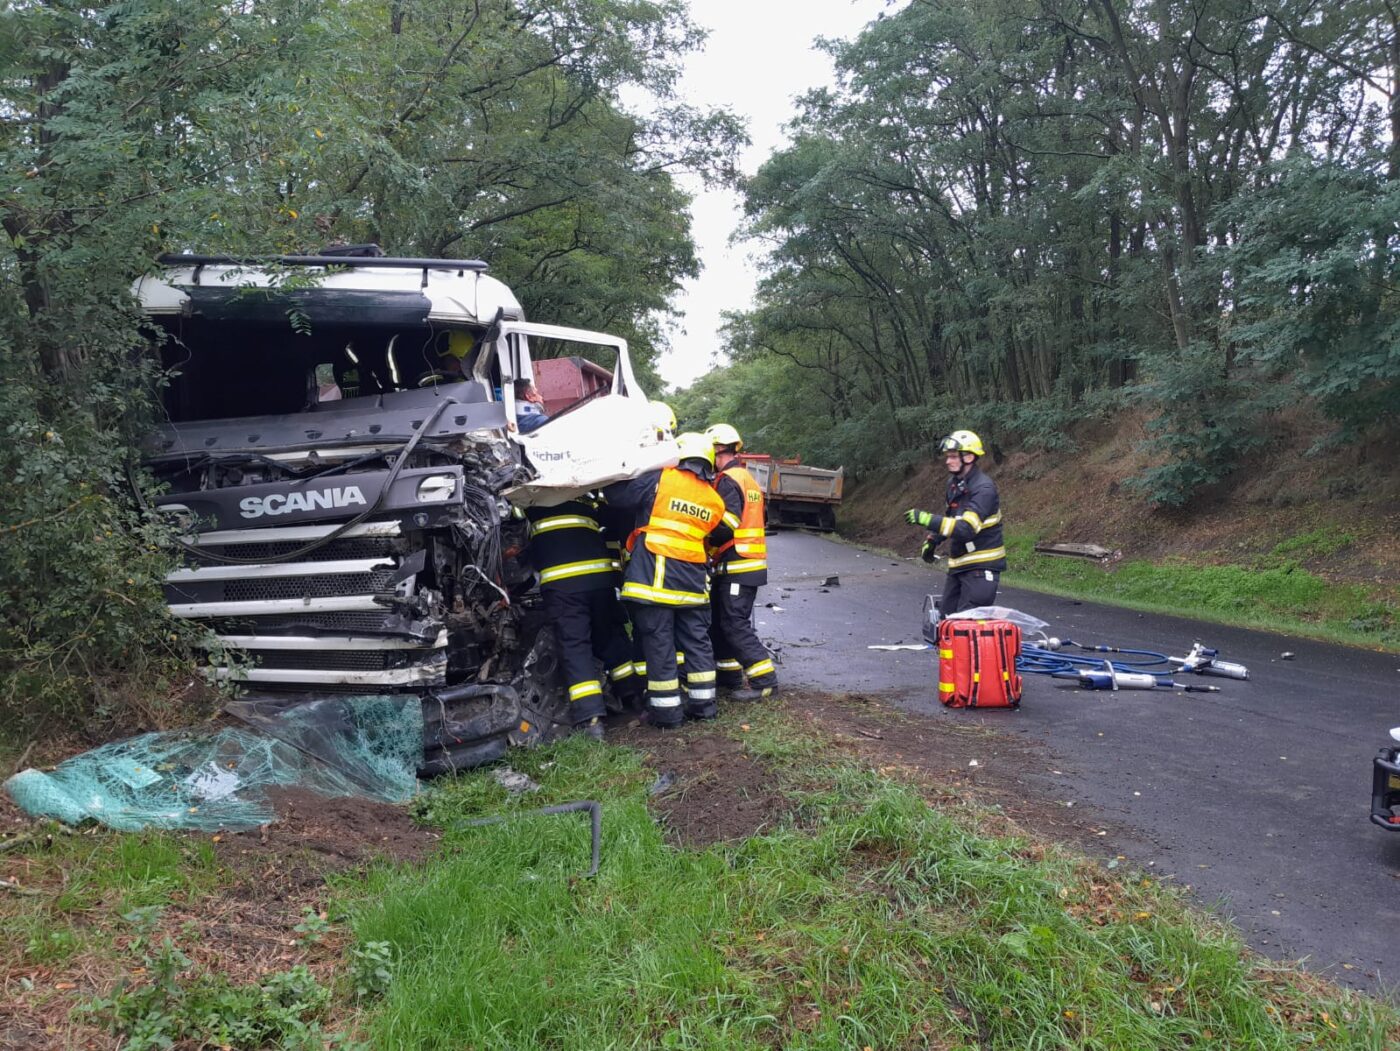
211,782
1024,621
973,762
336,746
831,582
513,781
1097,552
774,607
665,781
1287,655
916,646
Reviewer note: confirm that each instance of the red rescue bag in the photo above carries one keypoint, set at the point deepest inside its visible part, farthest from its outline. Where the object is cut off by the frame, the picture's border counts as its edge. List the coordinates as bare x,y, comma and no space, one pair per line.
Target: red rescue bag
977,664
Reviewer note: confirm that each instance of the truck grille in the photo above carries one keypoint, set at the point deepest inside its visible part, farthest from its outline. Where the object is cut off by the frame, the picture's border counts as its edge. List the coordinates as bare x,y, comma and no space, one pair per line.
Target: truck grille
313,621
356,547
333,661
351,623
376,582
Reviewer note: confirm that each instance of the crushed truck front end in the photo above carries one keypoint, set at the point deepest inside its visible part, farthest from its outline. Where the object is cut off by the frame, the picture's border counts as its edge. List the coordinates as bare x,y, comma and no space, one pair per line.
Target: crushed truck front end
337,457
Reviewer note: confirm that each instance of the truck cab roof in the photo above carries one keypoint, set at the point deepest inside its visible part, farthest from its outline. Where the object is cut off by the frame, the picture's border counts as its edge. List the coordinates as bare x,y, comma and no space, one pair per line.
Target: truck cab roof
370,290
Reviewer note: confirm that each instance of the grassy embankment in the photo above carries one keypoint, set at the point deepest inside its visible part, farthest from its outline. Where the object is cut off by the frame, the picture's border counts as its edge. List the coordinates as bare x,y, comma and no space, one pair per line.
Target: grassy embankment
1272,592
862,917
1273,555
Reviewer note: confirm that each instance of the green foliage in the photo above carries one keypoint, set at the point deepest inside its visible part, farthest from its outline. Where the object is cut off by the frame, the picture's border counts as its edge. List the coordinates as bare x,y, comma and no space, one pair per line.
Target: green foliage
1017,203
371,968
1318,264
312,927
286,1010
1205,423
872,920
1317,544
96,876
171,1002
84,630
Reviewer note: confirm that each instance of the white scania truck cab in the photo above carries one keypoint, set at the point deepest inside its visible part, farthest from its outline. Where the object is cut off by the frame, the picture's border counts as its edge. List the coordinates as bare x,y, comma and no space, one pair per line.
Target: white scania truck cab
341,452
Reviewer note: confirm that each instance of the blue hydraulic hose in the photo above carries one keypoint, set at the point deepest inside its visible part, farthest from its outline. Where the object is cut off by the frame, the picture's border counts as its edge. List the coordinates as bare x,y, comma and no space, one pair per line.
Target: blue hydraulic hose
1041,661
1098,672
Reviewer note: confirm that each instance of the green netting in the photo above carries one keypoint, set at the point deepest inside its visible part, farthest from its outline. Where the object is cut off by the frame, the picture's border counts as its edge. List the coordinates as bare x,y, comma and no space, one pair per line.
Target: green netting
339,746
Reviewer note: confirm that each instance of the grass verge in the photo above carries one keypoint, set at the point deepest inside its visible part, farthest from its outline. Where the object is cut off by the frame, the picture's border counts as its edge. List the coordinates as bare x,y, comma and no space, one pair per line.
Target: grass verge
867,919
136,941
1274,593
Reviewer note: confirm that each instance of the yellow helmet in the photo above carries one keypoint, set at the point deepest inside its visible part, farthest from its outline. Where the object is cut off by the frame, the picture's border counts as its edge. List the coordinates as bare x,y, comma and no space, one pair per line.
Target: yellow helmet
695,446
459,345
662,418
724,434
962,442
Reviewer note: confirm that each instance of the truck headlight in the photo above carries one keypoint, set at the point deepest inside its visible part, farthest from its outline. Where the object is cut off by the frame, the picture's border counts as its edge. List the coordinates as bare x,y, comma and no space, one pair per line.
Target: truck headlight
436,489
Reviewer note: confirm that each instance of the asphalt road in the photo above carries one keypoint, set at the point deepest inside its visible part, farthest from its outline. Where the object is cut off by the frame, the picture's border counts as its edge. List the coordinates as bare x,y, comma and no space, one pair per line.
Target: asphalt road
1256,797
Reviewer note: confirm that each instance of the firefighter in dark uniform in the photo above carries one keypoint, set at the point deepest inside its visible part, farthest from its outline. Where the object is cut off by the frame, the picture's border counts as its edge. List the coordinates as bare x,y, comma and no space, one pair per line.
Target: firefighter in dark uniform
578,581
740,569
666,584
617,527
971,524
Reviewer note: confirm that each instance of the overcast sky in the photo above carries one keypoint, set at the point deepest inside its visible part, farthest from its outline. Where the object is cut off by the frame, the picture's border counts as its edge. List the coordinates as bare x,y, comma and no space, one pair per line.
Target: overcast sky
758,58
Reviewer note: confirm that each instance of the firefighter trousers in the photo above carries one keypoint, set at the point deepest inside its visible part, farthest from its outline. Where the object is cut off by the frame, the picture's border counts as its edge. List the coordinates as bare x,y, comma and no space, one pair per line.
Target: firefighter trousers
664,630
588,631
976,587
738,650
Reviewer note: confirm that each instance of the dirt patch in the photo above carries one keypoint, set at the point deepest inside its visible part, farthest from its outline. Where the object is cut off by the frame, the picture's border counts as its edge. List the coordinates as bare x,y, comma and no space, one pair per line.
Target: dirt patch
716,792
244,930
314,837
709,790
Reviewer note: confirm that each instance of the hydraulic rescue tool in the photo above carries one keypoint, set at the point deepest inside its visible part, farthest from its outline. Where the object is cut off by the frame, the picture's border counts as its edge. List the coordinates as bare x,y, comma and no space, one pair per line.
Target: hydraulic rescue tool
1204,661
1136,670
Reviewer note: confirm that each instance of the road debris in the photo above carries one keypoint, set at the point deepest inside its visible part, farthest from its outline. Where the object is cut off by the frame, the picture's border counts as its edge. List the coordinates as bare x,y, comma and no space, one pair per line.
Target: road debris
1095,552
513,781
219,778
663,782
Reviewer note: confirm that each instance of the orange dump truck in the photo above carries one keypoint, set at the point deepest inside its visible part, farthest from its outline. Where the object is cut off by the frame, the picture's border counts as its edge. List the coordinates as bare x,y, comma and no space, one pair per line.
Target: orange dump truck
797,495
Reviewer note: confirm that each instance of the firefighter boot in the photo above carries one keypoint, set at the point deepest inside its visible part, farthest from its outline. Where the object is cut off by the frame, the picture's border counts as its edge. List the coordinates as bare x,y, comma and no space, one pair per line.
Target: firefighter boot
704,708
763,681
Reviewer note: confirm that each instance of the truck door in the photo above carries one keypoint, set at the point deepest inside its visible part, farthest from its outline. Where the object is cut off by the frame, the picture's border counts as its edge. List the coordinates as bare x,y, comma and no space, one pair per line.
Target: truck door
606,437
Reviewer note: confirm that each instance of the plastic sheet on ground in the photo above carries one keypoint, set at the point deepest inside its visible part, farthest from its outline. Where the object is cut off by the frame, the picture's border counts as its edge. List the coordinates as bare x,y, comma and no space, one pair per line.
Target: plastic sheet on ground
1024,621
222,779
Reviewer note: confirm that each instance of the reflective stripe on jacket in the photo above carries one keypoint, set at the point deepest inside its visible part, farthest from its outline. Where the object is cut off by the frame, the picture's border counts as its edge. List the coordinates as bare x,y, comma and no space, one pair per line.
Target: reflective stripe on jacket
972,522
660,581
566,547
686,510
746,556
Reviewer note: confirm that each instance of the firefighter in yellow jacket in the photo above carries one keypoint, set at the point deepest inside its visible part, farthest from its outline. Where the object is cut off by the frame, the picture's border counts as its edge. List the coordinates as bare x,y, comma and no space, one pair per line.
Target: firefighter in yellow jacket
741,568
666,583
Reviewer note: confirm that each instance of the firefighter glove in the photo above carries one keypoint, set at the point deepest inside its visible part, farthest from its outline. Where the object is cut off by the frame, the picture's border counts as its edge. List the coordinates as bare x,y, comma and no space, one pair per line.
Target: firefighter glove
916,517
930,546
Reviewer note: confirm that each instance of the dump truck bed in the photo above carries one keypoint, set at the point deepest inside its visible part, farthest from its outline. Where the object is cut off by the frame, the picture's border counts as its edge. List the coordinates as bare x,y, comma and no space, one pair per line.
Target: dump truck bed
798,495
